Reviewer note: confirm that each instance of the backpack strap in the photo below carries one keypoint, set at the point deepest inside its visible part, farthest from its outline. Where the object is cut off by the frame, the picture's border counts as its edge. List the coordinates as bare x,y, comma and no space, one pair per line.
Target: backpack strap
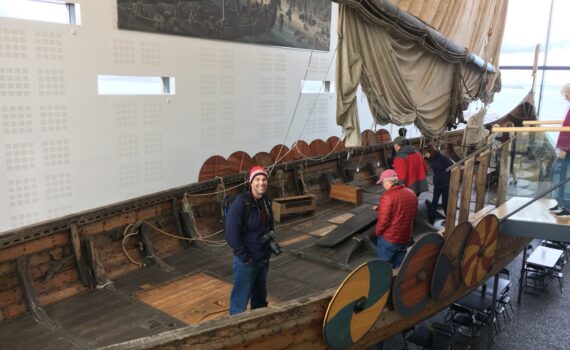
246,210
268,204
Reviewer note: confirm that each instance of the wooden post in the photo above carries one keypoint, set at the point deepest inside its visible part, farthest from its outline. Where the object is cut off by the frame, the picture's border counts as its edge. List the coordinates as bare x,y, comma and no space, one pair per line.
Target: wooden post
37,311
504,173
97,266
148,254
177,221
481,184
452,199
81,266
466,190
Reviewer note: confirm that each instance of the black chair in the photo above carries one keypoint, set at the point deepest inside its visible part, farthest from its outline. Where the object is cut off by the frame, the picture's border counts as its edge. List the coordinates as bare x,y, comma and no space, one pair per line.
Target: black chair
463,321
436,336
504,300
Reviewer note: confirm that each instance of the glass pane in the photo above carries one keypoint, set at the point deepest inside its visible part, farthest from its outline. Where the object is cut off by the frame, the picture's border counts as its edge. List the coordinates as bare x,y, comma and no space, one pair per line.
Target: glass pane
311,86
515,85
129,85
526,26
559,47
553,106
35,10
536,167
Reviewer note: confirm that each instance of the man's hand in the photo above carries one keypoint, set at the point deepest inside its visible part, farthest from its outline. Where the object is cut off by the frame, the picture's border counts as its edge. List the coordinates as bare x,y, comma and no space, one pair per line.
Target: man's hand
562,154
374,207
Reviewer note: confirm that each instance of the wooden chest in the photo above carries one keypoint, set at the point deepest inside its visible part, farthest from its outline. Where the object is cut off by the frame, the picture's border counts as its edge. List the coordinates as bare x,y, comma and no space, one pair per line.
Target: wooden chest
346,193
293,205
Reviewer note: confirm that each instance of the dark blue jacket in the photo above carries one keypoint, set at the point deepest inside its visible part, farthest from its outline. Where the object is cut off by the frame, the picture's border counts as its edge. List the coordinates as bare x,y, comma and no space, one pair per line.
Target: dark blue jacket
439,164
246,241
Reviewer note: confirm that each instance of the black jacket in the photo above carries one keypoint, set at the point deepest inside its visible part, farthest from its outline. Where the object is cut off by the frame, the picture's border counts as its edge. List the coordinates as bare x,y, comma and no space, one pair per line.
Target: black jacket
439,164
246,241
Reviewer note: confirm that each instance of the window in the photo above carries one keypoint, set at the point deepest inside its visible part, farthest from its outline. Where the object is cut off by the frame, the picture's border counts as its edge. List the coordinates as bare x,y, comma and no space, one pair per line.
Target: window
315,87
57,11
135,85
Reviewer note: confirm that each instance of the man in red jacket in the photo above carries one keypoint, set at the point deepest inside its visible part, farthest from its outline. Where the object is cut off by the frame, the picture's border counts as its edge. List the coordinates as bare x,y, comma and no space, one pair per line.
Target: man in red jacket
409,165
396,211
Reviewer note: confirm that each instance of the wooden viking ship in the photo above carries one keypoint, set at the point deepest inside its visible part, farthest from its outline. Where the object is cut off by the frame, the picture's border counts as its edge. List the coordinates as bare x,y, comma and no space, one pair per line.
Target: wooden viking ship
154,273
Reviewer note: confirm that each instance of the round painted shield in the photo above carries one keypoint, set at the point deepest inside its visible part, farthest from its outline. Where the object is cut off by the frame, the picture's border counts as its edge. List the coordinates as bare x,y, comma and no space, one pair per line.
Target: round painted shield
480,251
357,303
411,290
447,275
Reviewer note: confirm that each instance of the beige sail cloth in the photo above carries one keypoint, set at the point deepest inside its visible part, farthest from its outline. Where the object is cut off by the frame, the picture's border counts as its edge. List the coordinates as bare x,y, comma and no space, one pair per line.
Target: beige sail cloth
403,79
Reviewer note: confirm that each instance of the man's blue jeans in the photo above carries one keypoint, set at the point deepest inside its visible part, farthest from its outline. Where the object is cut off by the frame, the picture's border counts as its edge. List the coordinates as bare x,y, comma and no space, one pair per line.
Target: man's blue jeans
250,282
561,198
391,252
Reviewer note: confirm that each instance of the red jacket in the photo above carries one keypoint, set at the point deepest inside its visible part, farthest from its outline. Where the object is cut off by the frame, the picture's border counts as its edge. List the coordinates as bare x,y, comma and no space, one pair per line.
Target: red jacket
564,137
411,169
396,212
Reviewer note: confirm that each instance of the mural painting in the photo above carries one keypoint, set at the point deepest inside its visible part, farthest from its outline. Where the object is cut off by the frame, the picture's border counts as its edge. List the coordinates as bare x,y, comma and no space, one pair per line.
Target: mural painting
292,23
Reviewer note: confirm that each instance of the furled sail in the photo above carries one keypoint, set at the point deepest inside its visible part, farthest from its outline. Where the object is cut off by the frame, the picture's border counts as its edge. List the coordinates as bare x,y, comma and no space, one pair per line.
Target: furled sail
417,61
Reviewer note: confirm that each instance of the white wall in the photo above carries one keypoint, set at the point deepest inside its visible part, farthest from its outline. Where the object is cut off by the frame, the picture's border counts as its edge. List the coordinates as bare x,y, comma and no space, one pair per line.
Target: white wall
64,148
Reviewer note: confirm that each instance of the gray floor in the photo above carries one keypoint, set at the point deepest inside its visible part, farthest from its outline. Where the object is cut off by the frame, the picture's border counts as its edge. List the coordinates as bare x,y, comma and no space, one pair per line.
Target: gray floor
539,322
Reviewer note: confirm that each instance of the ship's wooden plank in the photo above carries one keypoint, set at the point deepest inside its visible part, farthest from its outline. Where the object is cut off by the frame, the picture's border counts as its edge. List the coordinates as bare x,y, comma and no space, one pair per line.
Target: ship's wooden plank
504,173
25,334
31,247
119,220
352,226
341,219
484,159
192,299
293,240
322,231
107,317
452,198
466,189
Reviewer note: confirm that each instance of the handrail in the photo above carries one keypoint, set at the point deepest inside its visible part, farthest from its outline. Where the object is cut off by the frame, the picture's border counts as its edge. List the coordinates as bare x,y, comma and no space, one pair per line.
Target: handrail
542,194
539,122
530,128
472,155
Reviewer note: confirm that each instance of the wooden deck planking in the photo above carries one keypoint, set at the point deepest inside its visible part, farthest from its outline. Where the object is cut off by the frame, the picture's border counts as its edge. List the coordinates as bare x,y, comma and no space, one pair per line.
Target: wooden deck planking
103,318
24,333
192,299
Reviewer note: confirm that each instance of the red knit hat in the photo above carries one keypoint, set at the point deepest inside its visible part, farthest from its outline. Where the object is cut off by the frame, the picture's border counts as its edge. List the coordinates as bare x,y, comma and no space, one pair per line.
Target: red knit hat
256,170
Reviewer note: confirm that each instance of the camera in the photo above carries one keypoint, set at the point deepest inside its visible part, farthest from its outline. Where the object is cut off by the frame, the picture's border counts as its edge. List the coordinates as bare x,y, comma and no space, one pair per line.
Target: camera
269,237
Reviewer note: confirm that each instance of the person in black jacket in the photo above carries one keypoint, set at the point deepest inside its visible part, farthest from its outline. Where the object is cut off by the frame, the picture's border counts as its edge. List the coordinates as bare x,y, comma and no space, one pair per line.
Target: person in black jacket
439,164
245,229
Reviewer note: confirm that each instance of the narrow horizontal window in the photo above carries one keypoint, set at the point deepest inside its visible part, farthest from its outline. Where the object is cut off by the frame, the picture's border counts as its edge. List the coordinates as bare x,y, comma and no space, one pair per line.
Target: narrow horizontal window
135,85
315,86
56,11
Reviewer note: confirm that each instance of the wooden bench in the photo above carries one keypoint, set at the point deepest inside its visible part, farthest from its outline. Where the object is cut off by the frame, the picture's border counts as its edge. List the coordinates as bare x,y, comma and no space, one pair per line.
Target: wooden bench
293,205
346,193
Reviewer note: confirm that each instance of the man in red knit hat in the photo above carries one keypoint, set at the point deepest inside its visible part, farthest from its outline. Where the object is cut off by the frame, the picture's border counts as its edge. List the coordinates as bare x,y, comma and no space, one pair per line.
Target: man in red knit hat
396,211
248,220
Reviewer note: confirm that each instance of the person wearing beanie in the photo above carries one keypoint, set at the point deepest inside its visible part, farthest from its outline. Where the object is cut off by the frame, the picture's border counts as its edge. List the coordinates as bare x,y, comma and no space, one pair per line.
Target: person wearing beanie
249,217
439,164
397,209
409,165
